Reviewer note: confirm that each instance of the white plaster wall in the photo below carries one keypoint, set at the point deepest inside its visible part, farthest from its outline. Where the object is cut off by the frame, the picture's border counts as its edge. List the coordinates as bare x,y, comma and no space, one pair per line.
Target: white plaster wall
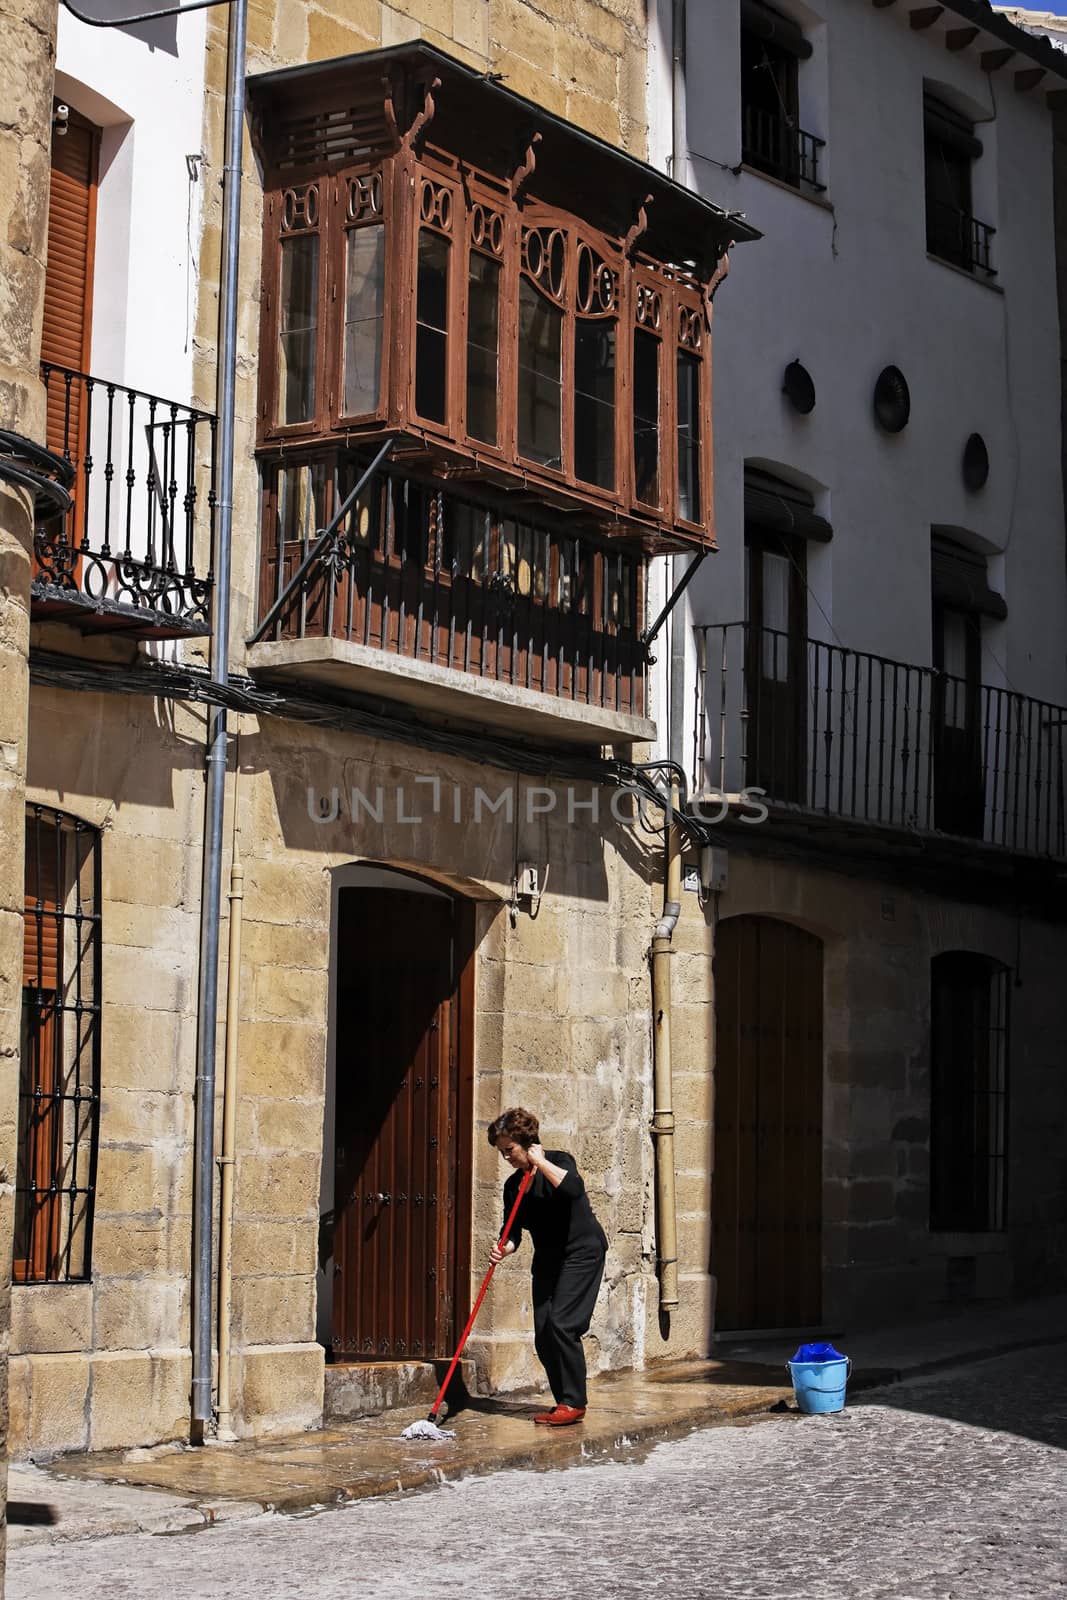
145,87
847,288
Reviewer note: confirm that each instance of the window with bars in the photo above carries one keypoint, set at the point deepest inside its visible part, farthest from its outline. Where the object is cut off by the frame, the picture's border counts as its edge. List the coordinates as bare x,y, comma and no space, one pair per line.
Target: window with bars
968,1092
772,140
59,1077
950,150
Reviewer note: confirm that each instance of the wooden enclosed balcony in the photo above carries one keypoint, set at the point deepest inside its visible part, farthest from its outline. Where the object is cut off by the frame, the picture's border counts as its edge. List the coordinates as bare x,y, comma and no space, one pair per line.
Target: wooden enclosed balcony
524,314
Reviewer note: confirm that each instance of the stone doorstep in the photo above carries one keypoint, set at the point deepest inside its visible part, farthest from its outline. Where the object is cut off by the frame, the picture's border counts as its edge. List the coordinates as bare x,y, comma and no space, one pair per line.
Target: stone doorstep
358,1389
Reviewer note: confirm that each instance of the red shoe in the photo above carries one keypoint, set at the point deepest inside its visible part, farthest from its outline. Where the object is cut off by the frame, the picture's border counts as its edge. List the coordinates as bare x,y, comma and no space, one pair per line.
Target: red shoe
561,1417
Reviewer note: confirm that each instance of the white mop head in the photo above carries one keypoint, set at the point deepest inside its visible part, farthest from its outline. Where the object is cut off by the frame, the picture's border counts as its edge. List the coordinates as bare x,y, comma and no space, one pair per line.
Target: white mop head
428,1430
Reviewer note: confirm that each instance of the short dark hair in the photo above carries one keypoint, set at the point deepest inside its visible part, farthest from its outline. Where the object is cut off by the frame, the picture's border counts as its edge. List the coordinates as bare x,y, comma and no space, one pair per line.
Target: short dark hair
518,1125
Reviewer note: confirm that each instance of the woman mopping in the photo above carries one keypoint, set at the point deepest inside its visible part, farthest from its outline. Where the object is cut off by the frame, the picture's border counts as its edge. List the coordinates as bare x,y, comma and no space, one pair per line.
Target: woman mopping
568,1261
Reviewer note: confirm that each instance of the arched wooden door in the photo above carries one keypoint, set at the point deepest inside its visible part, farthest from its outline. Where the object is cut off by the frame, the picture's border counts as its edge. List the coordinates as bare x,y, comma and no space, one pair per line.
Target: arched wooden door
767,1182
403,1124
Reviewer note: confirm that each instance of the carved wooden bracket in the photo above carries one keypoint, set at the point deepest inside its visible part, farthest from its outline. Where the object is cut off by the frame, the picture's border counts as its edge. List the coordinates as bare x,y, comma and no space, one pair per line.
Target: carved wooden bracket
524,171
924,17
389,109
960,38
639,226
716,279
425,116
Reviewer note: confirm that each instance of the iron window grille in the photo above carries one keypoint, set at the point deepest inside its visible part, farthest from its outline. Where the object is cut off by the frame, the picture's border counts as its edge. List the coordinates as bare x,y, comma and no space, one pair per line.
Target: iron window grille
772,140
950,149
968,1093
59,1076
775,145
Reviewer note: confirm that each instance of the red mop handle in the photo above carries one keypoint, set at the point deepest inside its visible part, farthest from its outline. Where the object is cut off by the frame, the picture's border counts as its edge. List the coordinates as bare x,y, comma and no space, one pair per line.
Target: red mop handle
502,1241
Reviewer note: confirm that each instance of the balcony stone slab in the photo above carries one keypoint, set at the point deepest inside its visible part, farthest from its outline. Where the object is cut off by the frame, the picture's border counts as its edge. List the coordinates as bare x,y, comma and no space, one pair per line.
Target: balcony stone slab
444,691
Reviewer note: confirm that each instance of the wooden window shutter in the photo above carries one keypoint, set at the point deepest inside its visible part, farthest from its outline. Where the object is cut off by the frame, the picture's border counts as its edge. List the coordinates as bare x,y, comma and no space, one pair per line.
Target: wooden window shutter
68,293
42,918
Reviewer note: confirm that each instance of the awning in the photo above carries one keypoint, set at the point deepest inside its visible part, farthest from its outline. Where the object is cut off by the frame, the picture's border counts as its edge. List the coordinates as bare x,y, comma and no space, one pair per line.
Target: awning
776,506
768,24
958,579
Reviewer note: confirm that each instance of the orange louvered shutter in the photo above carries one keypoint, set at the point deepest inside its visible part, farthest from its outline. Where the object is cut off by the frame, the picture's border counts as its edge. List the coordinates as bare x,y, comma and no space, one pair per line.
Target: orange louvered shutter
68,293
41,920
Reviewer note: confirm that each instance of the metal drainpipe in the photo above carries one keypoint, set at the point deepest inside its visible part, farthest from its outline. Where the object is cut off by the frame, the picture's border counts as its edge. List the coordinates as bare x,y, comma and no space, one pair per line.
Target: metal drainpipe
224,1428
663,1091
679,164
215,796
675,651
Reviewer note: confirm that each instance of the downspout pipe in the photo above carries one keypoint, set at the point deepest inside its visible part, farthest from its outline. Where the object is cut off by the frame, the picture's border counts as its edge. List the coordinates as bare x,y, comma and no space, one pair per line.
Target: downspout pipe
663,1088
679,163
680,572
224,1425
215,796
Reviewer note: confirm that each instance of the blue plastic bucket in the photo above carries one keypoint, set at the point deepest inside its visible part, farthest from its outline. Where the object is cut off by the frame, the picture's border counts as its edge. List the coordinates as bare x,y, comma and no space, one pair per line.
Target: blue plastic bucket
820,1385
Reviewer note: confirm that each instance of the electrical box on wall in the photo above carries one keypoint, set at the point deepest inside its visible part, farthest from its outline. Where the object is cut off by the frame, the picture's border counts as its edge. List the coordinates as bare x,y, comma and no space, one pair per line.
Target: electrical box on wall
714,865
527,881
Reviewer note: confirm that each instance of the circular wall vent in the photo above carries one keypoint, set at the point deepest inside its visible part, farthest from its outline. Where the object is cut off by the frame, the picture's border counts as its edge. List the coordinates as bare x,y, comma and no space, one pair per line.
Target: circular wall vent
892,401
975,462
799,388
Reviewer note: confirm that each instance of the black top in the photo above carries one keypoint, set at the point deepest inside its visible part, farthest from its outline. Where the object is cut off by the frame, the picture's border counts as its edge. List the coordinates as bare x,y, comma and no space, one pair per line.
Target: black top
559,1221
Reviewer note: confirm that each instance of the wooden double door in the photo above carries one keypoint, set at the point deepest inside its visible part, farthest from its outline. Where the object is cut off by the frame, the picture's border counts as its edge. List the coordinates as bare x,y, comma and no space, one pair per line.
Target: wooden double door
767,1184
402,1124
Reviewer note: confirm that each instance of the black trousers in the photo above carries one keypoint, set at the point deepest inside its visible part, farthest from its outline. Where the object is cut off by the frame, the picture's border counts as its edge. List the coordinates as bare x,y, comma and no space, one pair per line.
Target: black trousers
564,1294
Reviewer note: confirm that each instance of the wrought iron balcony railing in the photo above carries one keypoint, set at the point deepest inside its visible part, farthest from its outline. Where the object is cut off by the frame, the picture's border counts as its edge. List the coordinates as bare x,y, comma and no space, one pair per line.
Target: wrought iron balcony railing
959,238
773,144
838,733
133,552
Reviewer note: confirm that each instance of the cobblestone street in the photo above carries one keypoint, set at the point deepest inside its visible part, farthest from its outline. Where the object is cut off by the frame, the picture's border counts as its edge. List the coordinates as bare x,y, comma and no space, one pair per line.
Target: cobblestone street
932,1490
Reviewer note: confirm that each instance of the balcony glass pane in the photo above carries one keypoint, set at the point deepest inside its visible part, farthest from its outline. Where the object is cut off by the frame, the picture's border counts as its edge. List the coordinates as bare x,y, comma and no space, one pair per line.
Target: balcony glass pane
646,417
775,654
302,495
298,328
364,293
483,343
540,377
594,401
464,539
688,423
431,338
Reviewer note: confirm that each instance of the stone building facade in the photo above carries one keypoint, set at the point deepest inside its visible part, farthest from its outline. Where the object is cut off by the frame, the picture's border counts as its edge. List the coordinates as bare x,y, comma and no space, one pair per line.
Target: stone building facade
542,988
879,647
25,84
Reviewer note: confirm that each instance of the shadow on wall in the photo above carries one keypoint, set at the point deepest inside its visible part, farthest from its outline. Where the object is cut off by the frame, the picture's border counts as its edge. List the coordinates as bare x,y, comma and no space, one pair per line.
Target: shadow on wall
386,801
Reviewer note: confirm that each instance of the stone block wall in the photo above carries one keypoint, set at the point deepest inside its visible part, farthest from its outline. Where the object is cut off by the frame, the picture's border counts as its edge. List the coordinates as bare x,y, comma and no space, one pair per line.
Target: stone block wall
562,1023
106,1363
27,72
880,1258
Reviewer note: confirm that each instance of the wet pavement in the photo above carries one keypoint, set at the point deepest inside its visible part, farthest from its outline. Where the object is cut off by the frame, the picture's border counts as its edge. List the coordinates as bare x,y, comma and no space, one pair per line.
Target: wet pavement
175,1488
951,1488
301,1471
